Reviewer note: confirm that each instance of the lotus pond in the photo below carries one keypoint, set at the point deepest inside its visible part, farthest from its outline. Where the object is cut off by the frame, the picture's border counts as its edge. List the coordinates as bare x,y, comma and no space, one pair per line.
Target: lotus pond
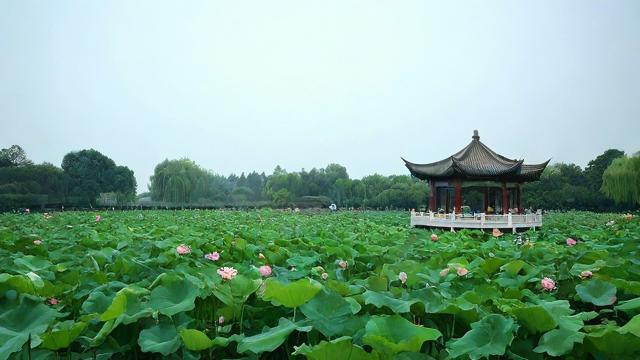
348,285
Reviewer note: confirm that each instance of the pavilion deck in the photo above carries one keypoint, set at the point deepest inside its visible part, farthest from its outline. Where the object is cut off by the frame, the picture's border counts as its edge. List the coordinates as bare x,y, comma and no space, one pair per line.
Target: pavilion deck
476,221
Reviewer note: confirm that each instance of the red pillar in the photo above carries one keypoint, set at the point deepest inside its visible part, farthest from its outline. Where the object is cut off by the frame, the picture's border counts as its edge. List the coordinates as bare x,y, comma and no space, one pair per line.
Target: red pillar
505,198
458,197
519,199
432,196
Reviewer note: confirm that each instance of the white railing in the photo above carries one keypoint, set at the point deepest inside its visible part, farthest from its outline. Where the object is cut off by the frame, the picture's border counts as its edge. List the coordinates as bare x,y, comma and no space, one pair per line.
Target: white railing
476,221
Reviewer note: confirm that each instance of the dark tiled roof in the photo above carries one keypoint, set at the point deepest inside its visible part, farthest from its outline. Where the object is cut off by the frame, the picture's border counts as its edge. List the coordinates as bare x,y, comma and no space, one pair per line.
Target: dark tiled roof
476,161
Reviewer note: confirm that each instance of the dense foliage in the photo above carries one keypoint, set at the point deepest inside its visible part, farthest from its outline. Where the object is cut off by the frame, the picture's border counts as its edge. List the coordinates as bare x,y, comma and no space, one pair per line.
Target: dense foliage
90,173
88,178
359,285
14,156
183,181
621,180
567,186
84,177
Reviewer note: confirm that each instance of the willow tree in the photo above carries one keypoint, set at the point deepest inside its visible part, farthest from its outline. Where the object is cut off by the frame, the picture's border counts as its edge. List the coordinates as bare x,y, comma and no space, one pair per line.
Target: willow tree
621,180
178,181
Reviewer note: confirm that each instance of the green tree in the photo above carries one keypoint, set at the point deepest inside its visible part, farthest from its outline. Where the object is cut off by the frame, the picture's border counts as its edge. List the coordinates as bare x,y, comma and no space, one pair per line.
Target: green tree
179,181
282,198
90,173
14,156
31,185
596,167
621,180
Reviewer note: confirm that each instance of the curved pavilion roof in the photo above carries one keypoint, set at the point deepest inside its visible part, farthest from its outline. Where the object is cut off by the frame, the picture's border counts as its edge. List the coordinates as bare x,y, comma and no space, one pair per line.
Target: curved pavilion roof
477,162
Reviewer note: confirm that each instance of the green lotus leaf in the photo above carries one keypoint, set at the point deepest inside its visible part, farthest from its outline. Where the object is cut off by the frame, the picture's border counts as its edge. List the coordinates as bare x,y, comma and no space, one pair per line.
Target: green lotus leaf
292,294
97,302
135,308
173,295
522,349
377,283
62,335
331,314
37,281
20,318
379,300
559,342
544,316
195,340
608,340
390,335
237,290
21,283
630,306
161,338
513,268
116,308
489,336
341,348
491,265
270,338
632,327
597,292
32,263
104,332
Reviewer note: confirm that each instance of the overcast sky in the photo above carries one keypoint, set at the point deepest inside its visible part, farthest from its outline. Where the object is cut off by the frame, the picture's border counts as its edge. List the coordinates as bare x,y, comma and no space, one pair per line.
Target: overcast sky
247,85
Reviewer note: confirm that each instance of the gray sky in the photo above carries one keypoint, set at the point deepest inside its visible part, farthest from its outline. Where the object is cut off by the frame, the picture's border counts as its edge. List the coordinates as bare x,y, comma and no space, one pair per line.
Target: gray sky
246,85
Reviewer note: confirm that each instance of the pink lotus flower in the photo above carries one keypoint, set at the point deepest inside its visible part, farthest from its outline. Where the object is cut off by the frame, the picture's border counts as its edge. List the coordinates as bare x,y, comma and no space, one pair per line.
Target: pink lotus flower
324,276
343,264
37,242
434,237
571,242
265,270
98,218
496,232
462,271
261,256
444,272
586,274
227,273
403,277
214,256
548,284
183,249
53,301
27,210
221,320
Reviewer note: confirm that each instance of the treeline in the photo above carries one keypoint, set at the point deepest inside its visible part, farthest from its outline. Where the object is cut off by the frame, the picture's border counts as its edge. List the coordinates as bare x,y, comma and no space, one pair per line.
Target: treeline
84,177
568,186
184,182
87,178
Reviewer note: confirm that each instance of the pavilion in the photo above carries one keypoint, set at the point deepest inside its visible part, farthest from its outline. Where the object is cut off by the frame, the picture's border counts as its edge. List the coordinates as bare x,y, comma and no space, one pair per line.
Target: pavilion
476,188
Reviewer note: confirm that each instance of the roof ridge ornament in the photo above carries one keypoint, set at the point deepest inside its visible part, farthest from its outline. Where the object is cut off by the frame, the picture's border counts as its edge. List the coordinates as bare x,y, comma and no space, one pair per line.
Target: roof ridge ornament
475,135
